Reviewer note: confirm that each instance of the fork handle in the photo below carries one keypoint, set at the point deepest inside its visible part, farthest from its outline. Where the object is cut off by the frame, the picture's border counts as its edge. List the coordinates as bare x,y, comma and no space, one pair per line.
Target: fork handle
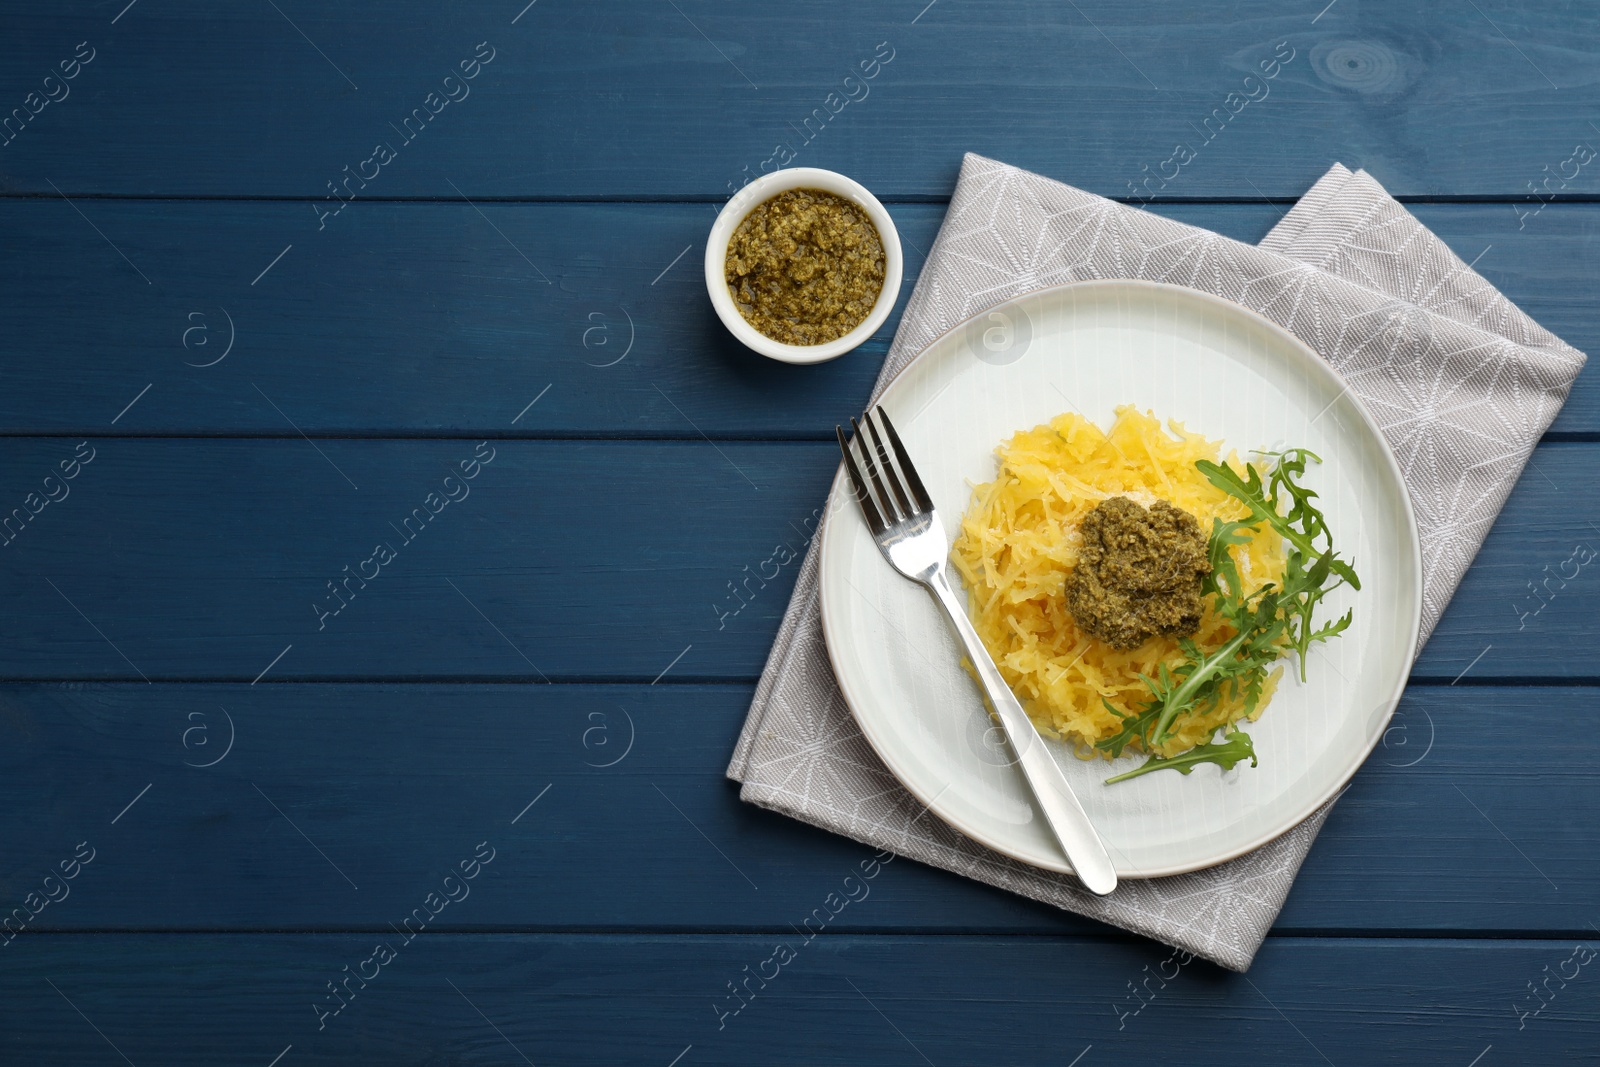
1084,849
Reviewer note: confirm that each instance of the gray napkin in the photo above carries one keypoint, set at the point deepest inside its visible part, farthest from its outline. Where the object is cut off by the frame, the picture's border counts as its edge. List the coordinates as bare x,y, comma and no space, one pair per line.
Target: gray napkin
1461,382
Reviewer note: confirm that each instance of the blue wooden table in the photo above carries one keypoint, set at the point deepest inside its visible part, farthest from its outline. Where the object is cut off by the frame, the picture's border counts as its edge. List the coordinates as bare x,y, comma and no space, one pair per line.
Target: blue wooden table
284,282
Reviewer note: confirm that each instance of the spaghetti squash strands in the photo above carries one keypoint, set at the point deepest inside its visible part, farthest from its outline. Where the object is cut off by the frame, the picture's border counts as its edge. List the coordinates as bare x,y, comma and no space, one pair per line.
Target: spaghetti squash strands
1019,540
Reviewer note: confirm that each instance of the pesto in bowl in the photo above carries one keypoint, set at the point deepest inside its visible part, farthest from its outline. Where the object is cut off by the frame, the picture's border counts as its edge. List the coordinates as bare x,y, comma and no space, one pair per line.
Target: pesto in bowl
805,267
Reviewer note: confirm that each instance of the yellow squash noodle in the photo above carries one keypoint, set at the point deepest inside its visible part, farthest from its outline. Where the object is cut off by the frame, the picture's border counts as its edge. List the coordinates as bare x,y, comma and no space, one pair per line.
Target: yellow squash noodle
1019,540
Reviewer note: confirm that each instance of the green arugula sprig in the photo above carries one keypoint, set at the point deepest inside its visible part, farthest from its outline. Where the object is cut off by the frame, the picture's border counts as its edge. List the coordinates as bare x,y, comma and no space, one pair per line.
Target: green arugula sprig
1267,621
1233,748
1303,526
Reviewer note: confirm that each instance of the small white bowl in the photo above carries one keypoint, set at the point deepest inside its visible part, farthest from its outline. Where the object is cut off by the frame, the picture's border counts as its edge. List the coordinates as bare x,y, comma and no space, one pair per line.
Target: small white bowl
765,188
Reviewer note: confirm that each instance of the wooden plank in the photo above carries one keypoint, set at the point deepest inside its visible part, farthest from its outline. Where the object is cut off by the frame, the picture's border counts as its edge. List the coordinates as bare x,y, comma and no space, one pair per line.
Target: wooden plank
409,318
324,807
596,797
557,560
436,319
639,99
197,559
836,999
1525,607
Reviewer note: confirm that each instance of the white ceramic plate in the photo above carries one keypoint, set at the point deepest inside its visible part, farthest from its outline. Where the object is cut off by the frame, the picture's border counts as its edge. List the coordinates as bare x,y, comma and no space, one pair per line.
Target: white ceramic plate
1224,372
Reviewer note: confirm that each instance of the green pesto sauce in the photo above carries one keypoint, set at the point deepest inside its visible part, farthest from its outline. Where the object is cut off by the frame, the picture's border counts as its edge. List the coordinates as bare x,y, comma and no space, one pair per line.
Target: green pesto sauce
805,267
1139,573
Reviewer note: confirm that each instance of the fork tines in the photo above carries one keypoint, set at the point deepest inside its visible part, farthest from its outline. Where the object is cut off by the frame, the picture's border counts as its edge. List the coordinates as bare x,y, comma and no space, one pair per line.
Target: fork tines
904,497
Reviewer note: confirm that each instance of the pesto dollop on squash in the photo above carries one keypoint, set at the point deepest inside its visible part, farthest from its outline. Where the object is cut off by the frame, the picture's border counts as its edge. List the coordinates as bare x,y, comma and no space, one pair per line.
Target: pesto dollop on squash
1139,572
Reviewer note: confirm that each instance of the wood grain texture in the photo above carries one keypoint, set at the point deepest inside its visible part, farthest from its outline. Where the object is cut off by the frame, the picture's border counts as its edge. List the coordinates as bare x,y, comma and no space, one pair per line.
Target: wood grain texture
435,319
637,99
199,559
293,783
208,558
842,999
392,785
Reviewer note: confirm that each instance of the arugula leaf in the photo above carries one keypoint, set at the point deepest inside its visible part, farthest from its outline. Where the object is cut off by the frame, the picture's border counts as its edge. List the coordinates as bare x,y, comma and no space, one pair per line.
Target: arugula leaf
1303,526
1267,621
1234,747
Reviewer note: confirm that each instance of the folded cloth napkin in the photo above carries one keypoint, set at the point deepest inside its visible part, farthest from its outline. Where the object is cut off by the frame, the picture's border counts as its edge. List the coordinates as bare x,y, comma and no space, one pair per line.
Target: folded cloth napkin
1461,382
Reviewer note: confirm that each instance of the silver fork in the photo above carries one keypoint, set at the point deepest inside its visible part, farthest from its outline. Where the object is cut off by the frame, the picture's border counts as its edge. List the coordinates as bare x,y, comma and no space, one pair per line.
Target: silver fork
901,517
